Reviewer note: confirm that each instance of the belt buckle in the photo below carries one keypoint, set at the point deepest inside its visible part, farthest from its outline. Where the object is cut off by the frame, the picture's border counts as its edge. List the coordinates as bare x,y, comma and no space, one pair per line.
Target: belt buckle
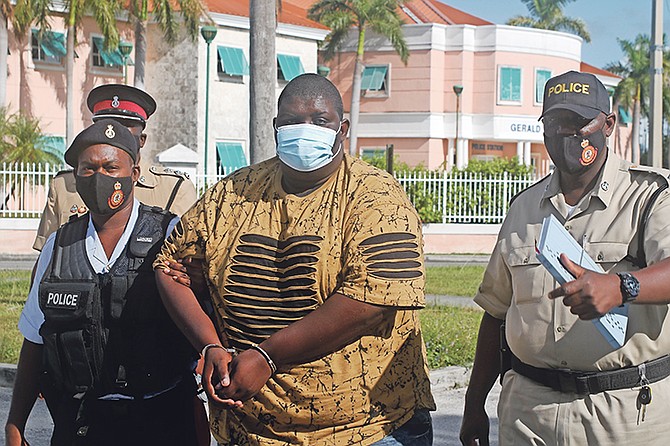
567,381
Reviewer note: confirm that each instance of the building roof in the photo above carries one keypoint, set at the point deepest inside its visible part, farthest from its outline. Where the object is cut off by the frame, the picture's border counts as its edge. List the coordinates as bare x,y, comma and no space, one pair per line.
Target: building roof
588,68
291,12
421,11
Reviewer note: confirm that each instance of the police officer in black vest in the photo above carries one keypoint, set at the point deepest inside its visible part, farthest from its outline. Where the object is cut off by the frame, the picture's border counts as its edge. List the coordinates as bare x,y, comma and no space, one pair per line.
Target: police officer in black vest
96,333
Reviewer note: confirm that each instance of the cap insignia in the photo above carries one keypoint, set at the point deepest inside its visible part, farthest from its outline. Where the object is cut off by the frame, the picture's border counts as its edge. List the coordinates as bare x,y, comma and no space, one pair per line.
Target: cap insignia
109,133
115,102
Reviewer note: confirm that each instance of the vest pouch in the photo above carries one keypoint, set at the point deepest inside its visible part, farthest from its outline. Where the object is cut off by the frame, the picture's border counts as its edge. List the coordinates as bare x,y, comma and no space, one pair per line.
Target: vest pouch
67,361
66,304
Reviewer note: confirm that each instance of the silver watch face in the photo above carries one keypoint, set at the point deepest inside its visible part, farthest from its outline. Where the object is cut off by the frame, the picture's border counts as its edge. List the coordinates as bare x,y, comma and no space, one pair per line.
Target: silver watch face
630,286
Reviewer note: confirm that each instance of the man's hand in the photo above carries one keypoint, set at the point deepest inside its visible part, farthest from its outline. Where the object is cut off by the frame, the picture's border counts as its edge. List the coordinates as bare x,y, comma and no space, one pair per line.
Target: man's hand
216,379
591,294
475,428
249,372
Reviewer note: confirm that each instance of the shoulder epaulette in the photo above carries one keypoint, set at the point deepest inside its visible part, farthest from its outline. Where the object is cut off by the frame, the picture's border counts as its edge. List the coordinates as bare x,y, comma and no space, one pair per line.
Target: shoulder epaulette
63,172
661,173
538,182
168,171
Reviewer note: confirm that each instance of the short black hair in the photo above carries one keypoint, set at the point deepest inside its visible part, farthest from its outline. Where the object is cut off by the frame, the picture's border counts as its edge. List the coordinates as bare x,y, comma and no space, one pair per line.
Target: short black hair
311,85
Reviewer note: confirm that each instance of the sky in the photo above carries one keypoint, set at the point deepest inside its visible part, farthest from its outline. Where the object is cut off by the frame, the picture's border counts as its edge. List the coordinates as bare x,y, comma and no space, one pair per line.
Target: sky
605,20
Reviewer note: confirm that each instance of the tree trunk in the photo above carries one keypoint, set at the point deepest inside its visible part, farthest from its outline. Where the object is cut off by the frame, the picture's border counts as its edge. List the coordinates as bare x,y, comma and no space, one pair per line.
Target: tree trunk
4,43
354,112
635,136
262,79
69,86
140,53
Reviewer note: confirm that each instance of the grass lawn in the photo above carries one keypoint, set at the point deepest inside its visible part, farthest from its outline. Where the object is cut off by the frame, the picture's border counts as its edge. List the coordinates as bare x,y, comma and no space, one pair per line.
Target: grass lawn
450,333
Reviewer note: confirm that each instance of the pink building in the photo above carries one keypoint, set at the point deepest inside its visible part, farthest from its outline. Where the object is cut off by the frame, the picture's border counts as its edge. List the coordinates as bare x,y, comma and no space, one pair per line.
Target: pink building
36,82
499,72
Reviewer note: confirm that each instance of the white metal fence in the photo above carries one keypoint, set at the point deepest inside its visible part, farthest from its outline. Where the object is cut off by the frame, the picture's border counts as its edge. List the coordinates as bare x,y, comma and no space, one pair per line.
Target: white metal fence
460,197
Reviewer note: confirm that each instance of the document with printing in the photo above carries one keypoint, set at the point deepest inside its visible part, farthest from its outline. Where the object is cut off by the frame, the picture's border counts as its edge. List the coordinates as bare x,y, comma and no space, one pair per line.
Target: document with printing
554,241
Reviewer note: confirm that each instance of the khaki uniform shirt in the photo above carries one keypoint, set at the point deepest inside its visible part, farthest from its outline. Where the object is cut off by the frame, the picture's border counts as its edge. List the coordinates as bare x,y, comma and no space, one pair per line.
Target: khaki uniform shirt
271,258
157,186
542,332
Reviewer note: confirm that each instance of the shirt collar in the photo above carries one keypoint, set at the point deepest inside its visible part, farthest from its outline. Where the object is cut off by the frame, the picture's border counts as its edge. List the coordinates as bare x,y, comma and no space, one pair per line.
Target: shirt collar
96,253
602,190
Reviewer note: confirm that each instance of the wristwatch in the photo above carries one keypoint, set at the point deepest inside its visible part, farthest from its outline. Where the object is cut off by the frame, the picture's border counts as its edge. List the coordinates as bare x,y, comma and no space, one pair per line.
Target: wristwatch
630,287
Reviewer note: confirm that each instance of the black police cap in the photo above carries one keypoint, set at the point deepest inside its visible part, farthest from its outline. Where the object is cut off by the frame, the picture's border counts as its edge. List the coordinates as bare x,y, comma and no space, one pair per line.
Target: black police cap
118,101
579,92
105,131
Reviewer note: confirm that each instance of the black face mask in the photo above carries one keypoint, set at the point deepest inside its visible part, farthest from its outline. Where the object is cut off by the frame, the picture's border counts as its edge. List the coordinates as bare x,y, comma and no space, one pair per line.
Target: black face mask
574,154
103,194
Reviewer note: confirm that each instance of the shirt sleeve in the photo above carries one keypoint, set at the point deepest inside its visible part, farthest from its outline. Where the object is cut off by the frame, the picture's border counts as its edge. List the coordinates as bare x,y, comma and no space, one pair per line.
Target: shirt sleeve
495,291
657,231
48,221
32,318
186,238
383,251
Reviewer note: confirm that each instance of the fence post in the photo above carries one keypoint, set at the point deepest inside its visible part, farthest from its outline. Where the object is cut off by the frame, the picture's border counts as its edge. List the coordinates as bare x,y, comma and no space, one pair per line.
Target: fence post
444,195
505,203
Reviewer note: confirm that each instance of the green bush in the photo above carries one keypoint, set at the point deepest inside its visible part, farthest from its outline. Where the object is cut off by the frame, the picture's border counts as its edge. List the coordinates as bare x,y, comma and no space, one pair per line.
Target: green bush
477,205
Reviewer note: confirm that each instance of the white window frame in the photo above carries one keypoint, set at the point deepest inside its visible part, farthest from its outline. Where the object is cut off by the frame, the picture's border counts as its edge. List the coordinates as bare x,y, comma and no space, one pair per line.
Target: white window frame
535,101
102,69
501,101
386,92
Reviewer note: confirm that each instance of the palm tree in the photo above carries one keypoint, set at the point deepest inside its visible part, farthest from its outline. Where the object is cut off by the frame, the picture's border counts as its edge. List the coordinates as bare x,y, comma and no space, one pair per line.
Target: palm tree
263,75
548,14
22,14
340,16
104,12
633,90
164,13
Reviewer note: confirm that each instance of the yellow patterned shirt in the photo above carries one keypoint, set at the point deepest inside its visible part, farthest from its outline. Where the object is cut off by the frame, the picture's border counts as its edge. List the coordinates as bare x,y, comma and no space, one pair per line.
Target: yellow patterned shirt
272,257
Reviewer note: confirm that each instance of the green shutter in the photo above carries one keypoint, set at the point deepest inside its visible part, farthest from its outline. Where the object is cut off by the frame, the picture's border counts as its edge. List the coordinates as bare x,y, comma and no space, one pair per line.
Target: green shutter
110,58
291,66
541,78
510,84
373,78
54,145
52,43
231,156
624,116
233,61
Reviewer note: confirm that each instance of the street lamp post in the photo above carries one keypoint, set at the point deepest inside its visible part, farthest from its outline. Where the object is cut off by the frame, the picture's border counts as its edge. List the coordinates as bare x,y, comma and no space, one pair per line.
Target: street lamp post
458,89
208,33
125,48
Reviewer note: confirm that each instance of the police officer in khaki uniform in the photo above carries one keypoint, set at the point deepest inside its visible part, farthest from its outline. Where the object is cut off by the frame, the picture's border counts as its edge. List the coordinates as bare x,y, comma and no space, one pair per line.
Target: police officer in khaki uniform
157,186
567,384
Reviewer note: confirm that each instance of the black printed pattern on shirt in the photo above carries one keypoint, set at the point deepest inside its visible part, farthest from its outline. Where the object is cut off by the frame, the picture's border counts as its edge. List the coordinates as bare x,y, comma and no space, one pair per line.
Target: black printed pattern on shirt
392,256
271,284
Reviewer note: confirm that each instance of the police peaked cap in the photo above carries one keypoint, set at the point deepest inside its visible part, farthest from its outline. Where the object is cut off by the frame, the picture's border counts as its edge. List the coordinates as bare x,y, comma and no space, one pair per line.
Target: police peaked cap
119,101
105,131
581,93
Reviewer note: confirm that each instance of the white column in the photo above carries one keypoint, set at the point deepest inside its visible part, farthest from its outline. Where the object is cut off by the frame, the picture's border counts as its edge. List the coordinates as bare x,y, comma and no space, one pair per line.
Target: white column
461,153
519,151
451,152
526,153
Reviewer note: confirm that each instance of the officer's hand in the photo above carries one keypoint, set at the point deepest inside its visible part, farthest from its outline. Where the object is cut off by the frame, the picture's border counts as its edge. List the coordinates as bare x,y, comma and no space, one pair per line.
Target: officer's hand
178,272
216,379
475,428
591,294
196,273
248,372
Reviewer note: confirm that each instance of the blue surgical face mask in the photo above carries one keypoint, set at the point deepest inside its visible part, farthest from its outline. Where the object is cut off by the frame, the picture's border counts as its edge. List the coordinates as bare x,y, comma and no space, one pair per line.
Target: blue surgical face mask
306,147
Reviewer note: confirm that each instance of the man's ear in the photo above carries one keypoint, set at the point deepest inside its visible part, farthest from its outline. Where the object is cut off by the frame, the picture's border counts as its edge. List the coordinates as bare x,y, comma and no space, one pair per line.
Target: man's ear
610,121
137,171
143,139
344,128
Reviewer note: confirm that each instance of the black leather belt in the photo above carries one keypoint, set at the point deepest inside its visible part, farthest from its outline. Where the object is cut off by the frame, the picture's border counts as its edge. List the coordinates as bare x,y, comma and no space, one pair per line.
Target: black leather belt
570,381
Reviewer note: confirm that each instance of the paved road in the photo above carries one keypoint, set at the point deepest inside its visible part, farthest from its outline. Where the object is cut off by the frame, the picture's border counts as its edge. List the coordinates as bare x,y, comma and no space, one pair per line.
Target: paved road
446,420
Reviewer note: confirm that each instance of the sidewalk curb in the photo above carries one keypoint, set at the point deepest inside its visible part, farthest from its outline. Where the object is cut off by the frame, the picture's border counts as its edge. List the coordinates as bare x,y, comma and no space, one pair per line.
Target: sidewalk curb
7,374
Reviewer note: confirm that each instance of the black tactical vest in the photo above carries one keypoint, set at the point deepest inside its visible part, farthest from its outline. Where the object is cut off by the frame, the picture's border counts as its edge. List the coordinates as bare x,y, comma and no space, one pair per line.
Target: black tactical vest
109,333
